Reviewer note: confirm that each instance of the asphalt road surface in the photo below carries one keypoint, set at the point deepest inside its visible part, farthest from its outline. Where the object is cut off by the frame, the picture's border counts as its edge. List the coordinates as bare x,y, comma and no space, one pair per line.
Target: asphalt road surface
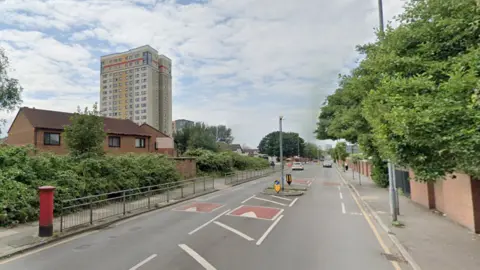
234,229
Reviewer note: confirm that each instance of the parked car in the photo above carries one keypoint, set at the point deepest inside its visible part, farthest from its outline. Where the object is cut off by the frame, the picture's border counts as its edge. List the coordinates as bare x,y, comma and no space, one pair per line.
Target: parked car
297,166
327,164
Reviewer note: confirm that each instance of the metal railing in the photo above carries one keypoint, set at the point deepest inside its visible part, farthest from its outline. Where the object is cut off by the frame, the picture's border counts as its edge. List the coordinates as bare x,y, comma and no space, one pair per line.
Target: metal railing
87,210
244,176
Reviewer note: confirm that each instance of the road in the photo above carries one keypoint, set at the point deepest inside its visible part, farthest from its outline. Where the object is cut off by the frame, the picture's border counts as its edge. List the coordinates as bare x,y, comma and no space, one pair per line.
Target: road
236,229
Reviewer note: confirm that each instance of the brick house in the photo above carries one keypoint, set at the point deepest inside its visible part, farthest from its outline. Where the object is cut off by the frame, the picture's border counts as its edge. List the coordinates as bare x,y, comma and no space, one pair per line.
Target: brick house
44,128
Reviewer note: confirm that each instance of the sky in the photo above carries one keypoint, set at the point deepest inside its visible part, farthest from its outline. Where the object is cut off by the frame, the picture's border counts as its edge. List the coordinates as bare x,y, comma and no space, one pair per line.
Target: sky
241,63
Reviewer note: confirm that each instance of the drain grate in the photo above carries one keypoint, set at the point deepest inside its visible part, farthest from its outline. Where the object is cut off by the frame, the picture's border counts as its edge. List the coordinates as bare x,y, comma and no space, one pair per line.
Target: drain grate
392,257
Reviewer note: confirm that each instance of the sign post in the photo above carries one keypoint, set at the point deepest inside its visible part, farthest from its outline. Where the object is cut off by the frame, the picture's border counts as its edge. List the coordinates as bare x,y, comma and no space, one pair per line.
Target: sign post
276,186
289,179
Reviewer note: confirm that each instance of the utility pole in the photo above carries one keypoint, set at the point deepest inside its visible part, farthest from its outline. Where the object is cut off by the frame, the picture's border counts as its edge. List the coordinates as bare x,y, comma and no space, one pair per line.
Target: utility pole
281,151
394,181
353,164
298,146
380,16
391,189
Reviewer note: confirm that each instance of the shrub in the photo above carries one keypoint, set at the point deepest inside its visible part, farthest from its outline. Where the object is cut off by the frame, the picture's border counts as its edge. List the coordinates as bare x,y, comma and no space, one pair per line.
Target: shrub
224,162
21,173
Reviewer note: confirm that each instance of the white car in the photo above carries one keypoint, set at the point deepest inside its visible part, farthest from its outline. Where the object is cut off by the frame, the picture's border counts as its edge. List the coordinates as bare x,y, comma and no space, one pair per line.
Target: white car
327,164
297,166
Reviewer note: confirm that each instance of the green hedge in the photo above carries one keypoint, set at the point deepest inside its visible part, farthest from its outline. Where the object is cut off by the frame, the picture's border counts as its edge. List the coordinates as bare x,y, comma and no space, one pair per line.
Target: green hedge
22,172
224,162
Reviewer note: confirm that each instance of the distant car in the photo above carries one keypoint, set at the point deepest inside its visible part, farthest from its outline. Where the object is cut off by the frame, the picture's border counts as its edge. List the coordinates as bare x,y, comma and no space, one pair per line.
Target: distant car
327,164
297,166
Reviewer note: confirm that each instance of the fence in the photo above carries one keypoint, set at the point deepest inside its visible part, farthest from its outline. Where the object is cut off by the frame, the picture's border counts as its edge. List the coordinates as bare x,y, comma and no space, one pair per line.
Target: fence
243,176
87,210
402,180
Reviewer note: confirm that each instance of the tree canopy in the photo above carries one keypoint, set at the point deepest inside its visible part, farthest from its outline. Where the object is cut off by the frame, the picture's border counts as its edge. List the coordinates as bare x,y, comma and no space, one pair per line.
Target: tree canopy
414,99
202,136
312,151
85,135
10,89
270,144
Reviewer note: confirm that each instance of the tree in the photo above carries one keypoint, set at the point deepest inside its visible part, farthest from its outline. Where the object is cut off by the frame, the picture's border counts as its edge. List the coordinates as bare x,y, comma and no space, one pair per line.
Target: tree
312,151
197,136
10,89
340,151
292,142
342,117
222,133
424,110
85,135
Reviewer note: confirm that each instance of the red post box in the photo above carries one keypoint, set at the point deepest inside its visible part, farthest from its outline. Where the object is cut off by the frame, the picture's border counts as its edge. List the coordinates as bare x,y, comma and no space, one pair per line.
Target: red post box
45,224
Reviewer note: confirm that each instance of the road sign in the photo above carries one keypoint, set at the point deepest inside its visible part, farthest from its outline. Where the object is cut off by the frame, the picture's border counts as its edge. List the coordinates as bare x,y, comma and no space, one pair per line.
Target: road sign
289,179
276,186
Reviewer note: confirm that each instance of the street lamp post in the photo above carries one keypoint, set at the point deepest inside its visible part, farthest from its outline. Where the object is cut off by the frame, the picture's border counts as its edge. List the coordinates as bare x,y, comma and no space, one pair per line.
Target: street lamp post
380,15
281,151
298,145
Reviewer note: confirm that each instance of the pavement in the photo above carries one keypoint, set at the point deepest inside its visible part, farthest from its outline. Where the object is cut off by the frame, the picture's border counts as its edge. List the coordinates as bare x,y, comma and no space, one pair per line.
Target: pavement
236,228
433,241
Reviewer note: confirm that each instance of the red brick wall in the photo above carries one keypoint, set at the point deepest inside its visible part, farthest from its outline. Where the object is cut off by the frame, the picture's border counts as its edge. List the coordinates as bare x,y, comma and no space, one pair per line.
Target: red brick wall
476,203
421,193
21,133
454,198
187,167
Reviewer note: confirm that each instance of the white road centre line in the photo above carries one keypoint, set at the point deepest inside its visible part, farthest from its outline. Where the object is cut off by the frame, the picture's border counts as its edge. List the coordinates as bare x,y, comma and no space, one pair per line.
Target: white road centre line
293,202
338,188
341,196
248,238
343,208
262,199
138,265
208,222
197,257
309,184
281,198
259,242
244,201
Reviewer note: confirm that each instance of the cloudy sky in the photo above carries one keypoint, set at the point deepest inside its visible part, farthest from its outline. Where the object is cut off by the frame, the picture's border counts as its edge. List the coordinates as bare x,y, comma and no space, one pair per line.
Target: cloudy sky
236,62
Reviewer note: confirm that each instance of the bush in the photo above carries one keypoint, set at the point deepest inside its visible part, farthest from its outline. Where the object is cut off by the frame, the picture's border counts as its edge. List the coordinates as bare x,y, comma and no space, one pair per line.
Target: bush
21,173
224,162
379,172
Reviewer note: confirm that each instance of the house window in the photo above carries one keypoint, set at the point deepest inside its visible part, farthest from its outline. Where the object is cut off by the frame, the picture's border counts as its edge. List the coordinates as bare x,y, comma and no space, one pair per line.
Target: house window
140,142
51,138
113,141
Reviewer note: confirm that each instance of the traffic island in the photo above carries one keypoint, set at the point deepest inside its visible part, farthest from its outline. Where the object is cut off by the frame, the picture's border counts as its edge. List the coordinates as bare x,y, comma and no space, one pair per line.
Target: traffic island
288,191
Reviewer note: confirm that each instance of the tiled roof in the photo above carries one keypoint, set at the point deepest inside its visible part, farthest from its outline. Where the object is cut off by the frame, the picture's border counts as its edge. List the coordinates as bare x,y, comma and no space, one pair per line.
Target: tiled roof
57,120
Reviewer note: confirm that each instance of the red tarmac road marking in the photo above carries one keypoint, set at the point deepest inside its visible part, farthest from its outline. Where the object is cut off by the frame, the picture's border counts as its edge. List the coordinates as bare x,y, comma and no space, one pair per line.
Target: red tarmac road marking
301,181
199,207
258,212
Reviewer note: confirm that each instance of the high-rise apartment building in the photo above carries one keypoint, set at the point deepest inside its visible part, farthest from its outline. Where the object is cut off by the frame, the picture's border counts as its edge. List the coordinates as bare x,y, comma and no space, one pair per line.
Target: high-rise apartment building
137,85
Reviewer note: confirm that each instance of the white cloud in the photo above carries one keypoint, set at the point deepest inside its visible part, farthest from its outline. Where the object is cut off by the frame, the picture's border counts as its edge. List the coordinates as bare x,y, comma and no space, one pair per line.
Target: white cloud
240,62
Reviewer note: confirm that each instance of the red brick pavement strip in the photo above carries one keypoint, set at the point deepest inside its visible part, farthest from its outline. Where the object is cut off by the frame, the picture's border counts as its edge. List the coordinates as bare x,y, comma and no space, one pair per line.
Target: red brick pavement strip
258,212
200,207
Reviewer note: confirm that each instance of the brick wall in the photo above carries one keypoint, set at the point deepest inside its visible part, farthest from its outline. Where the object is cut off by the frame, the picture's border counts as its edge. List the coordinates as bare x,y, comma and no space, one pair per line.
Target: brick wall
421,193
457,197
22,133
186,166
453,197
